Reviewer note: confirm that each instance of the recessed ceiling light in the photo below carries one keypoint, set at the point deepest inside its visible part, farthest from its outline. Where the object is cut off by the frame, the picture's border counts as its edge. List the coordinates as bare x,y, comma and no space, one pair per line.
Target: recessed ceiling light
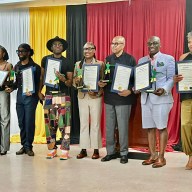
13,1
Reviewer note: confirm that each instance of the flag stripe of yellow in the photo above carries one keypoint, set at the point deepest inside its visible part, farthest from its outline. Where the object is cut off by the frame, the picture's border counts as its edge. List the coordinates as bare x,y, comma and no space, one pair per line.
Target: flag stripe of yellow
45,24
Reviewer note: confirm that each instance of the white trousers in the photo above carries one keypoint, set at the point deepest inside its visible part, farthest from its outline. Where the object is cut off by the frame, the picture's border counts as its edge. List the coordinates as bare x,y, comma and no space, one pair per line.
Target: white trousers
90,119
155,115
4,121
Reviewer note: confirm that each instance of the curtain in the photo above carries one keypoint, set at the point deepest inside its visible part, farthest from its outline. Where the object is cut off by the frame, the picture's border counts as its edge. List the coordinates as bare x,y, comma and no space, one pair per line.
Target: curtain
137,22
14,30
45,23
76,37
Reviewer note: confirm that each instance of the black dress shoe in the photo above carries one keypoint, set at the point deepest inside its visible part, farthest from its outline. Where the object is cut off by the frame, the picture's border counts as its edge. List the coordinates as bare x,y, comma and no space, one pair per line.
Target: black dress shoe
4,153
21,151
124,159
117,153
109,157
30,152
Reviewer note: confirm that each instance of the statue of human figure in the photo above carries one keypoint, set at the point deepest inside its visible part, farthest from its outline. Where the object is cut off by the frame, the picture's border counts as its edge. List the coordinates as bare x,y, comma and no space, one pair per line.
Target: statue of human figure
79,77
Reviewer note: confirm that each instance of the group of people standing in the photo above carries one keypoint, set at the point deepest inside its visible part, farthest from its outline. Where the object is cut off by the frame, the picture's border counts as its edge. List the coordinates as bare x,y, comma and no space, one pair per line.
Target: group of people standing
156,104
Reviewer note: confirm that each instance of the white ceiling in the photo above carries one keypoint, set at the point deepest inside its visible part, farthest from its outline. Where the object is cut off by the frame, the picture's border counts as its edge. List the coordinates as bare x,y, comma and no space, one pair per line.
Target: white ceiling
39,3
12,1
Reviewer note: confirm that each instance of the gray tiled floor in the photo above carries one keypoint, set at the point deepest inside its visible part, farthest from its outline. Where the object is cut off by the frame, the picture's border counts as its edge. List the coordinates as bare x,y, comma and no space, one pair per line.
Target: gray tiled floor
24,173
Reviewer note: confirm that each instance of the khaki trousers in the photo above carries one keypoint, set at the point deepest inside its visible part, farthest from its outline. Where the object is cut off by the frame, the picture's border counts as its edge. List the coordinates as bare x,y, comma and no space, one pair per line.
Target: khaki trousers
186,126
90,119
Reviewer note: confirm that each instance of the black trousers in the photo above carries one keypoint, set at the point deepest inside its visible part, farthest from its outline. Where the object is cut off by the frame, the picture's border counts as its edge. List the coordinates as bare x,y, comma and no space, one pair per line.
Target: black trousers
26,107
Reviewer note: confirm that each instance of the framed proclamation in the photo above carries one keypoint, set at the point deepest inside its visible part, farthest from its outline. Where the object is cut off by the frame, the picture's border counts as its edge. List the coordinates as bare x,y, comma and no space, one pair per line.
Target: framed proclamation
142,76
90,77
184,68
28,84
3,76
52,66
121,78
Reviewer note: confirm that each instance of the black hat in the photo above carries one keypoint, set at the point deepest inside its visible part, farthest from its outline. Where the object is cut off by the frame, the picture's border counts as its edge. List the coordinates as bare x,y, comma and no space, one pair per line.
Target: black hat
50,43
27,47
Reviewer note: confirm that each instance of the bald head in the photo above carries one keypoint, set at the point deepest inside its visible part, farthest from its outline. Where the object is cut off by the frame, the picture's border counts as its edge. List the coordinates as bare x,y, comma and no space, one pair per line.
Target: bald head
117,45
154,38
119,39
153,44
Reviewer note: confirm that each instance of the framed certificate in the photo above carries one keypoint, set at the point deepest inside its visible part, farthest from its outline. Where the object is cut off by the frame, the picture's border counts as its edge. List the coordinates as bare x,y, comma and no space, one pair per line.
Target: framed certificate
142,76
121,78
3,76
90,77
52,66
185,69
28,84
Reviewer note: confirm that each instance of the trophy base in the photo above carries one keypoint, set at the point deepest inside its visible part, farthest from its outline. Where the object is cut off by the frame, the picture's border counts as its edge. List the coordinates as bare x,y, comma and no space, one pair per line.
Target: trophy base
80,87
105,81
149,91
55,92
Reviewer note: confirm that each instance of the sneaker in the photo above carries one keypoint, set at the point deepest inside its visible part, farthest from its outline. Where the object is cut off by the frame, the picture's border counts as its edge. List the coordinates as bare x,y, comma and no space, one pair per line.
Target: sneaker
64,155
21,151
52,154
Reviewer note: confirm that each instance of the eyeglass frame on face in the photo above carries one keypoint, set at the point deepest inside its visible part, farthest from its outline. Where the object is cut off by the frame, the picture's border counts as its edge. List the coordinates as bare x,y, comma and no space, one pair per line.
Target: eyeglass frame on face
57,44
88,48
116,44
21,51
154,43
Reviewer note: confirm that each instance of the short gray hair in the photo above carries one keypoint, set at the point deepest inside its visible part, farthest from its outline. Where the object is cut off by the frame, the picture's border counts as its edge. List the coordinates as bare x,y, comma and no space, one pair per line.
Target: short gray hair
189,35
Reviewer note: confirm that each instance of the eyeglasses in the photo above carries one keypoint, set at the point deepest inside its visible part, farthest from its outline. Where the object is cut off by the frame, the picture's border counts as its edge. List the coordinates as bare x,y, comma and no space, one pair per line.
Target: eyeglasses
115,44
88,48
155,43
21,51
57,45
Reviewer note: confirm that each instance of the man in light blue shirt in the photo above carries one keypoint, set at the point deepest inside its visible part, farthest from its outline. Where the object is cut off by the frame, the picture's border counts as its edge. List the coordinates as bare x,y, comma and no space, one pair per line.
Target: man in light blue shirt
157,105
